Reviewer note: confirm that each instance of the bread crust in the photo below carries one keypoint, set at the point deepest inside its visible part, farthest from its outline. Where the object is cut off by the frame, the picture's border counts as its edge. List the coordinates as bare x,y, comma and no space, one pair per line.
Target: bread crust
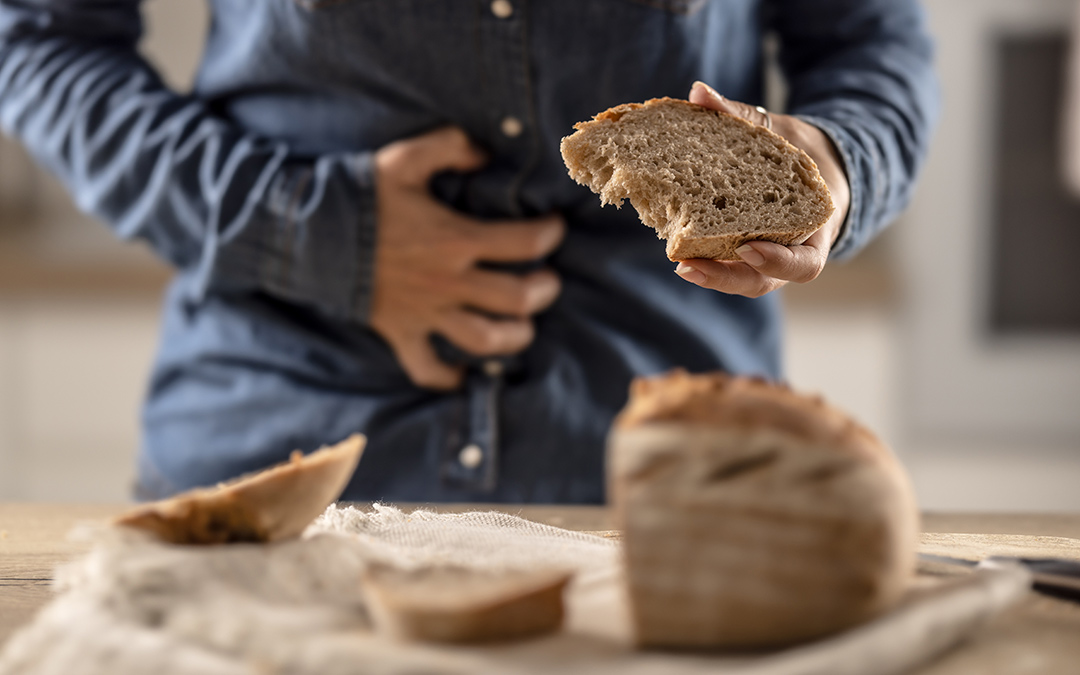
724,401
723,247
754,516
273,504
459,605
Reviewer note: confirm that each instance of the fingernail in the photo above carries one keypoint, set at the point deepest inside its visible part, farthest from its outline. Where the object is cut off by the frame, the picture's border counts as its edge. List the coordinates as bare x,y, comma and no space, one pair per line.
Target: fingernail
708,90
691,274
749,255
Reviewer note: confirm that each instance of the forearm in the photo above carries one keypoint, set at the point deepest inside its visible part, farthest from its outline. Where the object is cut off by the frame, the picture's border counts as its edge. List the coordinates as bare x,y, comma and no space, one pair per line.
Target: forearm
241,212
862,72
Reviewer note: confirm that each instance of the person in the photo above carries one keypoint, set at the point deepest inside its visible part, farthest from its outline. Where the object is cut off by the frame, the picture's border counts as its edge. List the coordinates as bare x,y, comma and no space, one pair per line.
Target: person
373,229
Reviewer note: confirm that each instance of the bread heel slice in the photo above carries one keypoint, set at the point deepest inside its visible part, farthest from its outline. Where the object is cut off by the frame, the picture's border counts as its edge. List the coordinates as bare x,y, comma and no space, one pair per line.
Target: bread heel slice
458,605
706,181
277,503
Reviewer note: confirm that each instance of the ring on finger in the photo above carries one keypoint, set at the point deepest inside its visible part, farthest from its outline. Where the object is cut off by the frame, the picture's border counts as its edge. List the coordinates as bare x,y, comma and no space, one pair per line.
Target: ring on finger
768,117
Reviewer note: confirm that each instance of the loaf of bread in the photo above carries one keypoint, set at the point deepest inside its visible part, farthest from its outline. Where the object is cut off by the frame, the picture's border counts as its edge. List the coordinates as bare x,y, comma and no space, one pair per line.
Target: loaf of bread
706,181
457,605
754,516
274,504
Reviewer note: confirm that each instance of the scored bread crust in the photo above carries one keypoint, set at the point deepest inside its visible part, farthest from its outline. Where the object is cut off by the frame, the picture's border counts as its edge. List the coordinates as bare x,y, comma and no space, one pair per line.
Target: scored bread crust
754,516
705,180
747,403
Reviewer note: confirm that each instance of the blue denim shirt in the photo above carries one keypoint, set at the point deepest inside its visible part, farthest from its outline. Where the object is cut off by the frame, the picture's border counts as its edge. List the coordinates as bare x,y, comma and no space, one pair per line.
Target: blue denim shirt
258,187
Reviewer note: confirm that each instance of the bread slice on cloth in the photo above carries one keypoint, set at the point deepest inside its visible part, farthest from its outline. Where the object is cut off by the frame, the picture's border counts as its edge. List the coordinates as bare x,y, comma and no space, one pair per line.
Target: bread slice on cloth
270,505
706,181
459,605
754,516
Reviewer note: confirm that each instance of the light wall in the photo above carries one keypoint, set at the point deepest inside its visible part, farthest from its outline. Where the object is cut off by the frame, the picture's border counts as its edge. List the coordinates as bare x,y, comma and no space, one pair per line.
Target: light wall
986,420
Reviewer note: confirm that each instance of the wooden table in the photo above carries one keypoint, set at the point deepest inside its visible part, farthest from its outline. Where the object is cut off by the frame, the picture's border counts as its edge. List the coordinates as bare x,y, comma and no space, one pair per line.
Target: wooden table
1041,635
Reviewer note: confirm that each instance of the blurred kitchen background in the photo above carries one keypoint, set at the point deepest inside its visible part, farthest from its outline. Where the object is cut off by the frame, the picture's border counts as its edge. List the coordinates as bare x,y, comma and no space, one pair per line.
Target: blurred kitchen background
956,335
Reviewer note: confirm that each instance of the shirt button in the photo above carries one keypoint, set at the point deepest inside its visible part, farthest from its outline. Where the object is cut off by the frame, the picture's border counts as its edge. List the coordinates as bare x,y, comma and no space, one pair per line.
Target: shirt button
493,367
511,127
502,9
471,456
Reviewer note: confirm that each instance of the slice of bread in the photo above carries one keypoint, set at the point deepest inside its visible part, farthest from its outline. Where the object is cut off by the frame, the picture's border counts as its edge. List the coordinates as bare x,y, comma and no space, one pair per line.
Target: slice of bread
458,605
754,516
277,503
706,181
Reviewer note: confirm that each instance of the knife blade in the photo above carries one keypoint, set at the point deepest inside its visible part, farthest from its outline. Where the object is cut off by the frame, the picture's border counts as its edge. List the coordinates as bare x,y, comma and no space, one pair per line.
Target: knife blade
1057,577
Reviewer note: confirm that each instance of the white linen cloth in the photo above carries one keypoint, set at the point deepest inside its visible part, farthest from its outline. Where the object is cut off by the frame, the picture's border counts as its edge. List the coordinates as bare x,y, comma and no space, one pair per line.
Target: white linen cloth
136,606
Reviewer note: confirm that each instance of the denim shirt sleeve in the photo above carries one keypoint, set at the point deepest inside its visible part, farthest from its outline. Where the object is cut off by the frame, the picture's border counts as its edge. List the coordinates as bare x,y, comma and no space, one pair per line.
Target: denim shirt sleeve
236,211
861,71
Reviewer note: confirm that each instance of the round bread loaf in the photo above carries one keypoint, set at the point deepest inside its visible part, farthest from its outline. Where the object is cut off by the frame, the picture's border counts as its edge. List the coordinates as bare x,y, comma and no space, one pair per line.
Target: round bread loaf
754,516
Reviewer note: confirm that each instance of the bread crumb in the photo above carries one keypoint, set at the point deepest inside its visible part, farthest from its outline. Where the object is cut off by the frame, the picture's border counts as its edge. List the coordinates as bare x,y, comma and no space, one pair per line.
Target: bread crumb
706,181
3,534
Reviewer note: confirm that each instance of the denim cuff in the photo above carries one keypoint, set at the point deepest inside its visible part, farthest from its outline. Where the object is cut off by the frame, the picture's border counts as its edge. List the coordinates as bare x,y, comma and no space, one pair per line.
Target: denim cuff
847,242
312,239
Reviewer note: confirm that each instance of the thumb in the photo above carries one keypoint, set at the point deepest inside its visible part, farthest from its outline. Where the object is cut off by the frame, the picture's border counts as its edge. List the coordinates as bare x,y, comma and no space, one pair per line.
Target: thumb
707,97
413,161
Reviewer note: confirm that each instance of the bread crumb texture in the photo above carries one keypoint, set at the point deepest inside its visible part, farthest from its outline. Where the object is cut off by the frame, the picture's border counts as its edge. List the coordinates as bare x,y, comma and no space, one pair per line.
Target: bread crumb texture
706,181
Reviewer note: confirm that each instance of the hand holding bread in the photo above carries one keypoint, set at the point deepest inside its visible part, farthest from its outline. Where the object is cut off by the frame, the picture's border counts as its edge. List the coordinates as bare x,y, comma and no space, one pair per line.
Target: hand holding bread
746,201
766,266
